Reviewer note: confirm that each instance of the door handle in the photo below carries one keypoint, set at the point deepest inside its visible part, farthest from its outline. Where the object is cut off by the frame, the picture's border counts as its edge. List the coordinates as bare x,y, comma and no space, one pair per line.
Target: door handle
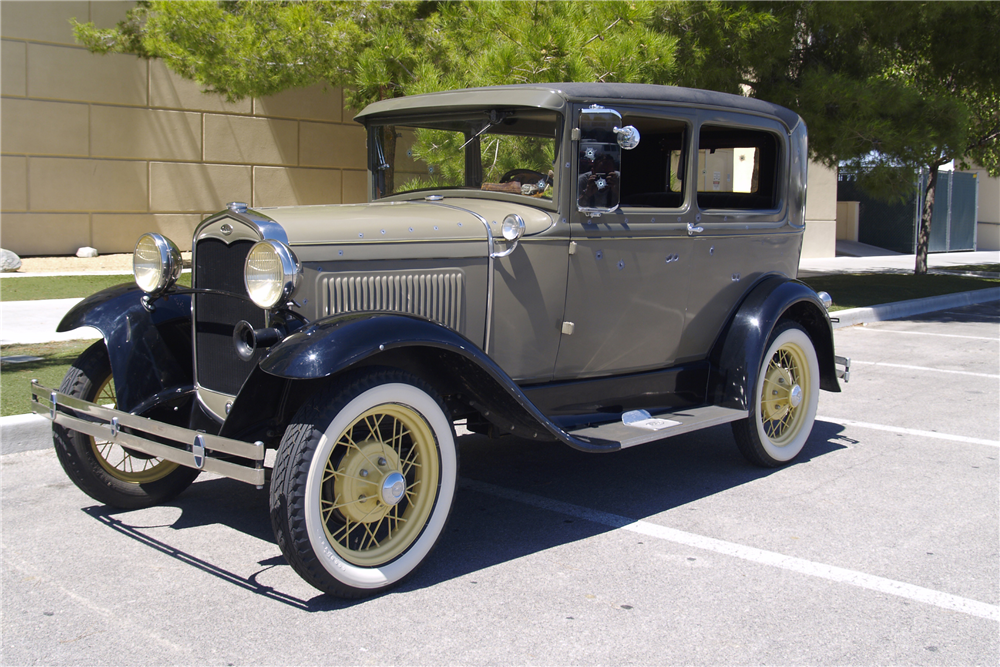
692,230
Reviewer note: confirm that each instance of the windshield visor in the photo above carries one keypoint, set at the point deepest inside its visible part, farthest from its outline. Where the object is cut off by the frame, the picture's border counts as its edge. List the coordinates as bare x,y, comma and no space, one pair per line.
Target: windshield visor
496,150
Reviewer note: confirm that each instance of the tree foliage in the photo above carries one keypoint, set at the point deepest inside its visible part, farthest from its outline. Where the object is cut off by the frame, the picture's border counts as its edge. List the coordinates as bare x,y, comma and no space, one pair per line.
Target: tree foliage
386,49
888,88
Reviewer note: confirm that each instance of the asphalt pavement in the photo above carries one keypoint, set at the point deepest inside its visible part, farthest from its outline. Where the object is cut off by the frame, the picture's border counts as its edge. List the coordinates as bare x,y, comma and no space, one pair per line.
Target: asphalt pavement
878,546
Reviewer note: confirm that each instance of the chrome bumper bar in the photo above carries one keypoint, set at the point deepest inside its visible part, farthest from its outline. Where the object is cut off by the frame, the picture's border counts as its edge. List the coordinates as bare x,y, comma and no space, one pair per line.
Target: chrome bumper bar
193,449
845,372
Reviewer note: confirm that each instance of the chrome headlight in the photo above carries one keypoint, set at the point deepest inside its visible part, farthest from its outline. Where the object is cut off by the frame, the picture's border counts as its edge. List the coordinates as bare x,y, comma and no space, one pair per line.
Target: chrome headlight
156,263
271,273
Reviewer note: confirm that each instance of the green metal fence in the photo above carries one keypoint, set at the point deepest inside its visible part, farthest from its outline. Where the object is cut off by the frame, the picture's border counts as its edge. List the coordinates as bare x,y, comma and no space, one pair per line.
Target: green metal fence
893,225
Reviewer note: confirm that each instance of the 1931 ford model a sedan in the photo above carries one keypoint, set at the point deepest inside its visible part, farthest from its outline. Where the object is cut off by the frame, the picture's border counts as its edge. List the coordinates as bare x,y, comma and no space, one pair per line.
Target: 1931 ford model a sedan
602,265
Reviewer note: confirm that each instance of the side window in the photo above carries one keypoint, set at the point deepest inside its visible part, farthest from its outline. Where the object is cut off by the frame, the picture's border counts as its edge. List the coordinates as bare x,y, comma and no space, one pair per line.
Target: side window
653,172
737,168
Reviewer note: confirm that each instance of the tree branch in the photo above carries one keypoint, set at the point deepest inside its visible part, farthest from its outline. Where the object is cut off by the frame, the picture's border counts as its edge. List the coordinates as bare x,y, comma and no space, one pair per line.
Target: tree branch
599,35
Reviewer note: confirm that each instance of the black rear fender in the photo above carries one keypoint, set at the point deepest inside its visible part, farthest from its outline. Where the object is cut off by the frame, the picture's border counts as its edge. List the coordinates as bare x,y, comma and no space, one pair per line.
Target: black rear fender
739,352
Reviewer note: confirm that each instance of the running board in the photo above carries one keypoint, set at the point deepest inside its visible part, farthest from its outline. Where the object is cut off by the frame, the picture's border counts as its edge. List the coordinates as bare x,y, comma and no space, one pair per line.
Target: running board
637,428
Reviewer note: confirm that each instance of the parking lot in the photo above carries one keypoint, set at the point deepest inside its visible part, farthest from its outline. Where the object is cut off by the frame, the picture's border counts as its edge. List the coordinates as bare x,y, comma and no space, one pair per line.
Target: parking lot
880,545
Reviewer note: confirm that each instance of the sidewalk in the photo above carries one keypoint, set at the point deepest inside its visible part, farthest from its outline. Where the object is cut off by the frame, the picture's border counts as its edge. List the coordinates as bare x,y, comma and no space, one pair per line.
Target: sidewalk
869,259
36,321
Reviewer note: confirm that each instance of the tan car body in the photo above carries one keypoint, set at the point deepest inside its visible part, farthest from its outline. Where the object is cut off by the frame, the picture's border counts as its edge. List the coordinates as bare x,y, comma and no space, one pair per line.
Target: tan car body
632,280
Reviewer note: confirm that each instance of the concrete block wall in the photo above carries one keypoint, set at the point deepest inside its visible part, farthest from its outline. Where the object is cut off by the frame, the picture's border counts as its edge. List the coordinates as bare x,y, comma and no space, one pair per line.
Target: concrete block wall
820,238
97,150
988,227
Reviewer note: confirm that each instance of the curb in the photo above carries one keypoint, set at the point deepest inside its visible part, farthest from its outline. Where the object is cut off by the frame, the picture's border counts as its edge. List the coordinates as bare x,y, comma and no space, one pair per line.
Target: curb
892,311
24,433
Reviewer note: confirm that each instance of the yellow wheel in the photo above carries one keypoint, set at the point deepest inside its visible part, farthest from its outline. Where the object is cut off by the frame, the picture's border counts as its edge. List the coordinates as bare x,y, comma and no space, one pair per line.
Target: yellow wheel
123,464
363,482
104,470
785,400
379,485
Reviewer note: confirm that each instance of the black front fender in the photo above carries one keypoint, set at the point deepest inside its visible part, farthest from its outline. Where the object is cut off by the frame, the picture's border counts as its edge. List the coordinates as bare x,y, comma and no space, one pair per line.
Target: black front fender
336,343
455,366
150,353
739,353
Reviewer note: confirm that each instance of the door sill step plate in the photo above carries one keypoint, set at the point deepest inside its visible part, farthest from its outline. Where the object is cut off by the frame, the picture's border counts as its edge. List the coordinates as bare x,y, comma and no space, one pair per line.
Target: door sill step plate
682,421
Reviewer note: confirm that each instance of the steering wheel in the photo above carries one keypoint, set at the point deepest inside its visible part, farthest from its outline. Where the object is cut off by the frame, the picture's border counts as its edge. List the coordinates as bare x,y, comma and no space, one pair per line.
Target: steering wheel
533,176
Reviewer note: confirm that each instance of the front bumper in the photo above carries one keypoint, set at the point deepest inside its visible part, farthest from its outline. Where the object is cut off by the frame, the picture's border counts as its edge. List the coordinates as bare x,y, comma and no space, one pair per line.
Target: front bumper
193,449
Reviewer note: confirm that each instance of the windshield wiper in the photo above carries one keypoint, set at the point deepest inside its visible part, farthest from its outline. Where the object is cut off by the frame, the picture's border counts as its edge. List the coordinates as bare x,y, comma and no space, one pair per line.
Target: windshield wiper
496,117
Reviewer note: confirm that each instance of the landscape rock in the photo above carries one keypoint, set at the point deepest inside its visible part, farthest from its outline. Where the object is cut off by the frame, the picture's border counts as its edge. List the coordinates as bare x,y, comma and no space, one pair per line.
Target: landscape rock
86,252
9,261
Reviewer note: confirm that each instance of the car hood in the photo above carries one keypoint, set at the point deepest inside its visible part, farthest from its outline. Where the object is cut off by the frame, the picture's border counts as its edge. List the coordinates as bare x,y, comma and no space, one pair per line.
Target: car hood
449,219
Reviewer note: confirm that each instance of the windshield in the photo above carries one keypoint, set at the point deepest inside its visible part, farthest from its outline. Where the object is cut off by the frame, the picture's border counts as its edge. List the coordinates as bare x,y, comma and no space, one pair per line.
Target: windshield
496,150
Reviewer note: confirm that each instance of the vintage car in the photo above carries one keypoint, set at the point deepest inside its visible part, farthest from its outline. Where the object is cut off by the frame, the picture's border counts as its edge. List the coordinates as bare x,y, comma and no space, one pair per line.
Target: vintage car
602,265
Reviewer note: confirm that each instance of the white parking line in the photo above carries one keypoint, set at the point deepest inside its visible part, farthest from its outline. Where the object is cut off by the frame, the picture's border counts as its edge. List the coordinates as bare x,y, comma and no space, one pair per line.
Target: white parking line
770,558
920,333
924,368
910,431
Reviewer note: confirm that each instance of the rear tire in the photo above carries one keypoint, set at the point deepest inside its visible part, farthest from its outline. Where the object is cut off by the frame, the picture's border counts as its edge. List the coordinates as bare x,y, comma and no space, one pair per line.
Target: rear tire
364,482
783,403
105,471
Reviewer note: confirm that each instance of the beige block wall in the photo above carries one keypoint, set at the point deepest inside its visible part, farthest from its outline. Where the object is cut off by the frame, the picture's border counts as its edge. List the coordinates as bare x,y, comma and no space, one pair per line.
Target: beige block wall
848,220
97,150
988,229
820,239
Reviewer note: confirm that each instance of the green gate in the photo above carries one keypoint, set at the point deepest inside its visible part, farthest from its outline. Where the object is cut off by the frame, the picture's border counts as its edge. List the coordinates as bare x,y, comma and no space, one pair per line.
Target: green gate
893,225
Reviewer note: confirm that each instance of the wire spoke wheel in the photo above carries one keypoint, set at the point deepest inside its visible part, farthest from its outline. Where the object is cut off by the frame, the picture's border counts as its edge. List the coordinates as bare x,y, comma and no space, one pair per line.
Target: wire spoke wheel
781,398
103,469
364,481
379,484
786,397
121,463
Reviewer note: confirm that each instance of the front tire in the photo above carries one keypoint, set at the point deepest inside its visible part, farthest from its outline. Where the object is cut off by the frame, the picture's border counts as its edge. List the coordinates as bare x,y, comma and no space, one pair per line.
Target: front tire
364,482
106,471
783,402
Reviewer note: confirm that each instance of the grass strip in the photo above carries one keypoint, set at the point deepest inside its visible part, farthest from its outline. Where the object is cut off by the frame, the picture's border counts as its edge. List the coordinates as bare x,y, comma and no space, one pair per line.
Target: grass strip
64,287
858,290
49,369
973,268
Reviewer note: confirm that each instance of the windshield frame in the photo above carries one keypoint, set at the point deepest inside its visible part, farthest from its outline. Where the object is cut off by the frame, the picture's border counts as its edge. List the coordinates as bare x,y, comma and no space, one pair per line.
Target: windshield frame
488,118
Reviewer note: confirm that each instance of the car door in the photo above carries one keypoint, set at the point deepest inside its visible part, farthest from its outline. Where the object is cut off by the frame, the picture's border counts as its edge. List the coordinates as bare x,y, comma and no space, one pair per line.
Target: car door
626,293
742,211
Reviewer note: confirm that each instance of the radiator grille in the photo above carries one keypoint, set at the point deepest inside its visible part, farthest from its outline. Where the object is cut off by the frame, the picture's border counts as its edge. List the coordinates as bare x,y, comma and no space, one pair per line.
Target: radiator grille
220,267
437,296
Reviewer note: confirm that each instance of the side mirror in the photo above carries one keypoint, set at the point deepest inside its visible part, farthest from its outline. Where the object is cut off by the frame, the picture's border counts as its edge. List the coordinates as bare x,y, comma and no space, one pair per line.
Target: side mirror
599,159
628,137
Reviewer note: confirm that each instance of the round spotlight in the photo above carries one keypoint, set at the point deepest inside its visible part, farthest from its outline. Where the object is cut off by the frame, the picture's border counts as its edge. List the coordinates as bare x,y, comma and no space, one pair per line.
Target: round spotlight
513,227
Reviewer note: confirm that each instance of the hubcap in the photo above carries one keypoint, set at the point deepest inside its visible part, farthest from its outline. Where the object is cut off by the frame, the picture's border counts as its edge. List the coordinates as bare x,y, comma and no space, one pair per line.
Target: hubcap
393,487
795,396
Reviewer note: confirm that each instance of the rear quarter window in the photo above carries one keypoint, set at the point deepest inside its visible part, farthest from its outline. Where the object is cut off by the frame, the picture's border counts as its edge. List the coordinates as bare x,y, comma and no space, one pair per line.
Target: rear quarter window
738,169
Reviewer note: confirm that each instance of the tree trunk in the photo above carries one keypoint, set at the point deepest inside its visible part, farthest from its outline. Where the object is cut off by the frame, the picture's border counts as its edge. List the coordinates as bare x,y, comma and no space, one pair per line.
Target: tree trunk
924,233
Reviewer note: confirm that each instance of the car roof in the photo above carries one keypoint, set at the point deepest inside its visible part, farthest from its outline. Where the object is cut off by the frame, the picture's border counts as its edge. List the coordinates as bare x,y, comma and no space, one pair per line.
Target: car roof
556,96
